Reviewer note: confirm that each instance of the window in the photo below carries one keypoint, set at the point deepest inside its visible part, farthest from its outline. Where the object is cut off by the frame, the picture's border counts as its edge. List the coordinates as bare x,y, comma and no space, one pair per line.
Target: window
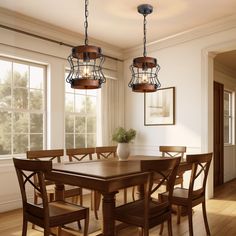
228,124
22,108
80,117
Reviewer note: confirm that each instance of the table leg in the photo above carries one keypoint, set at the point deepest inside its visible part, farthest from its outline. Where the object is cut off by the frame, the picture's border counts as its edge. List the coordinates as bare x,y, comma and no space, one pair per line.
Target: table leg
59,192
140,193
108,208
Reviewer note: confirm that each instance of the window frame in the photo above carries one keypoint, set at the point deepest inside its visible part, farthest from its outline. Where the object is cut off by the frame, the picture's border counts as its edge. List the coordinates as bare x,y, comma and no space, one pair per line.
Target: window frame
28,111
230,118
76,114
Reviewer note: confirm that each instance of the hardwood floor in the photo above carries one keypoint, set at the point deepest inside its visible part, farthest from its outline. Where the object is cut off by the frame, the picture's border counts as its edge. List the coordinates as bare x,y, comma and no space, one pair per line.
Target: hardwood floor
221,216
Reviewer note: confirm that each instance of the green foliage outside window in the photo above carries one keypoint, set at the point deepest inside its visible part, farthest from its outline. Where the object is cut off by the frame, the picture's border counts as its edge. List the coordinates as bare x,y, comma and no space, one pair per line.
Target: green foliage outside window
21,107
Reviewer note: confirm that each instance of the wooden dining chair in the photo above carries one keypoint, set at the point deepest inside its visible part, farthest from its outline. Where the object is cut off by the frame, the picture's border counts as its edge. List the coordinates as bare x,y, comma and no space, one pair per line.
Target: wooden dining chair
56,155
148,212
195,194
170,151
82,154
174,151
106,152
47,214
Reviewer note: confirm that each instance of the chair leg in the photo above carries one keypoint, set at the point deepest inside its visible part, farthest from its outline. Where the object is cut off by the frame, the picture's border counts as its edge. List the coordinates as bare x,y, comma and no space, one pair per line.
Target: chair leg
81,197
205,218
24,227
79,224
59,231
133,193
190,221
46,232
97,200
35,202
161,229
86,223
51,197
179,209
169,222
146,232
140,231
125,195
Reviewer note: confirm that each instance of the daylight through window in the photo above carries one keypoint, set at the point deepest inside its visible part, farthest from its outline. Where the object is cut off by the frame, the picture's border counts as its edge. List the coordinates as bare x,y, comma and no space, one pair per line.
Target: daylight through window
22,106
228,127
80,117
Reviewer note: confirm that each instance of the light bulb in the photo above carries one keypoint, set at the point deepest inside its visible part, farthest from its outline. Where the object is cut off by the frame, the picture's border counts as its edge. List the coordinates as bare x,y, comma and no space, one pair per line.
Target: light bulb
86,72
144,78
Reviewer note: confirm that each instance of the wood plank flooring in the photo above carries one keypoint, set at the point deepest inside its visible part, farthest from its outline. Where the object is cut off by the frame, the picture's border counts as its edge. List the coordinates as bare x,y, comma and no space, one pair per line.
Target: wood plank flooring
221,216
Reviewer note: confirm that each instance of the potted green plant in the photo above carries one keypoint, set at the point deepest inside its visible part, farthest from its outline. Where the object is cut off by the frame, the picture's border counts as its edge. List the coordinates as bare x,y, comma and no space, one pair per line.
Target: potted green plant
123,138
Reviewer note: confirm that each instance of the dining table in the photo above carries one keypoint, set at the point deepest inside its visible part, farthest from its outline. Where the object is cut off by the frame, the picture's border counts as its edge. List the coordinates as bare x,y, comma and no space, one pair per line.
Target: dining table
105,176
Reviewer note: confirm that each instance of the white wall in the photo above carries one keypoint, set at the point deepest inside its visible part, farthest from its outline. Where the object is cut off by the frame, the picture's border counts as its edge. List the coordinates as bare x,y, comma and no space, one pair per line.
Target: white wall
188,66
222,75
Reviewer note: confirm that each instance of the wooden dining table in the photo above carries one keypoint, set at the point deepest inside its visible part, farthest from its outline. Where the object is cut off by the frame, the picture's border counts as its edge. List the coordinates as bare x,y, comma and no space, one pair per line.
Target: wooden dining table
107,177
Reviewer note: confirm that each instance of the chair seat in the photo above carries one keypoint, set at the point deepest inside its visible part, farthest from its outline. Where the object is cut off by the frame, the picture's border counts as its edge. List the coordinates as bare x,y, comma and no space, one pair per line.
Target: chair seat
134,212
64,212
61,211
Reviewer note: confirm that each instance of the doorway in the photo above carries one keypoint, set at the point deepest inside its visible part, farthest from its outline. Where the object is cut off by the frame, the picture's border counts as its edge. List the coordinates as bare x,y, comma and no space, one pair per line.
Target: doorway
218,134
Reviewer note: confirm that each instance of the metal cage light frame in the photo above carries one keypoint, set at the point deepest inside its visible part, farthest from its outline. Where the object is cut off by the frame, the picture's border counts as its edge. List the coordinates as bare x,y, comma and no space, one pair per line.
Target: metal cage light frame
144,69
86,63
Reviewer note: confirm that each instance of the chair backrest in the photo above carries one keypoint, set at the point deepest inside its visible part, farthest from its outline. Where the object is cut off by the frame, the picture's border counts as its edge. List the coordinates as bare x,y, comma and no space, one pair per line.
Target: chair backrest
173,151
46,155
49,155
200,169
79,154
164,170
26,171
106,152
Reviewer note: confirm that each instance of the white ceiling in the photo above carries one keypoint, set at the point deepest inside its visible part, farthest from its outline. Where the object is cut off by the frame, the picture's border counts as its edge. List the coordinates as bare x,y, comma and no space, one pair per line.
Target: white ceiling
227,59
117,21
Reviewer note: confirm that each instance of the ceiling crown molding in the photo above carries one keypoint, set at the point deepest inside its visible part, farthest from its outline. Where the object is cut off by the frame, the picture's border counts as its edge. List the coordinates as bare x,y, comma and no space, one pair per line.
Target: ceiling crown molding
188,35
31,25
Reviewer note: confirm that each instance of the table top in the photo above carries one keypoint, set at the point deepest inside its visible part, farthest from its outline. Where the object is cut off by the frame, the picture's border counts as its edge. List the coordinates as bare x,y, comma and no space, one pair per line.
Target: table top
105,169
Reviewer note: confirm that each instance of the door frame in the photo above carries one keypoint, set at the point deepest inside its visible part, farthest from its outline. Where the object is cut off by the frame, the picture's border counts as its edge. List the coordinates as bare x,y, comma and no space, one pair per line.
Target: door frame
207,71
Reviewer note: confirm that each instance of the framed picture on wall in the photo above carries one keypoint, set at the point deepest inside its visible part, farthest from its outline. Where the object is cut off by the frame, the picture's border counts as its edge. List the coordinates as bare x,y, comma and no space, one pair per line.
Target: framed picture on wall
159,107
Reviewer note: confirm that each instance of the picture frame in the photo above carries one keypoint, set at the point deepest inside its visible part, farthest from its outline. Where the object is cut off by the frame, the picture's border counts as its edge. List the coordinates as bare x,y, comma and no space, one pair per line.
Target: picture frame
159,107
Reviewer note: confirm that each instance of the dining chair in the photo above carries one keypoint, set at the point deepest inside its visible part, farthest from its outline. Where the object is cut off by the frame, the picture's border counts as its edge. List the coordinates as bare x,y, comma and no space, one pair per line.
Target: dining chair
56,155
105,152
148,212
80,154
170,151
174,151
195,194
47,214
83,154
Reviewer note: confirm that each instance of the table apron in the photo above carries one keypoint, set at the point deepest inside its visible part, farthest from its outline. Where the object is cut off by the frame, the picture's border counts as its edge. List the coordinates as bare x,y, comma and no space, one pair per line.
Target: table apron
100,184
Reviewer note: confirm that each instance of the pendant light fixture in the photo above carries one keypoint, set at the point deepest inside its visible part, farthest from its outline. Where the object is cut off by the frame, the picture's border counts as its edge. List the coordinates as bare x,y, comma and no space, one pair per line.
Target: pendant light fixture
86,63
144,69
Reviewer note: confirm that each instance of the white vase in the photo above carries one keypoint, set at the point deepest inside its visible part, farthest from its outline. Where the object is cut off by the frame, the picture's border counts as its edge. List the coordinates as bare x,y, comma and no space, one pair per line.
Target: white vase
122,151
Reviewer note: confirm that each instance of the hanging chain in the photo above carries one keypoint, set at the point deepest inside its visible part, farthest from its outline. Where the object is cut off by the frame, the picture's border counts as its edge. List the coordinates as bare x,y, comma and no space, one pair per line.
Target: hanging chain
86,22
144,36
